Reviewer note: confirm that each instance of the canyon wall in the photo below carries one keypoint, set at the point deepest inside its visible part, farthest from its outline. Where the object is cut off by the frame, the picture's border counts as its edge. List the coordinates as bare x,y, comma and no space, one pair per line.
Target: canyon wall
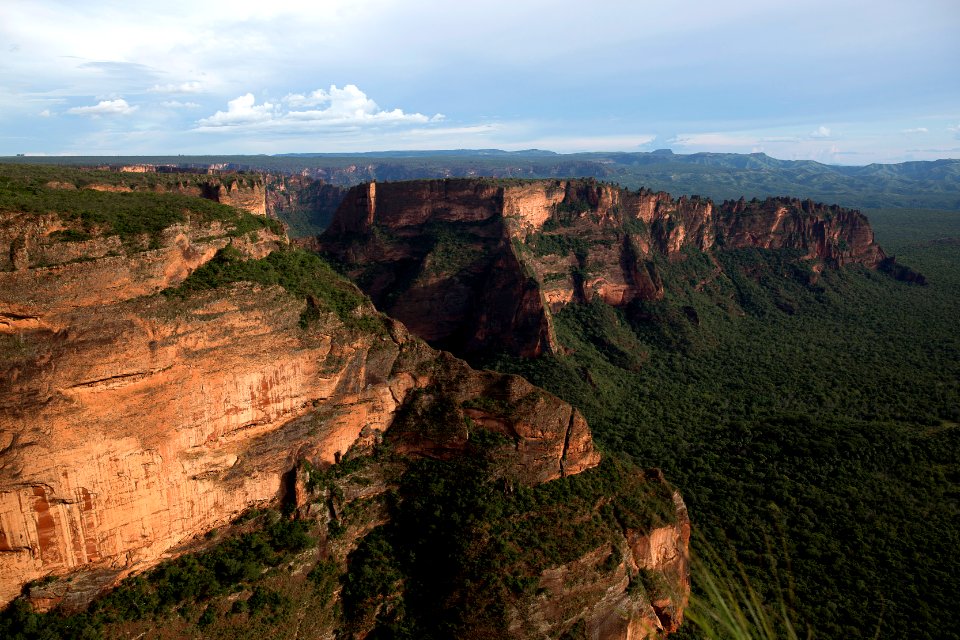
471,265
306,205
132,422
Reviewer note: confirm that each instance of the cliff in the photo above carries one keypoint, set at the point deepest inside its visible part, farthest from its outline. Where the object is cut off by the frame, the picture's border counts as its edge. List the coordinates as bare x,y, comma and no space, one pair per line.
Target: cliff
147,396
304,204
472,265
132,423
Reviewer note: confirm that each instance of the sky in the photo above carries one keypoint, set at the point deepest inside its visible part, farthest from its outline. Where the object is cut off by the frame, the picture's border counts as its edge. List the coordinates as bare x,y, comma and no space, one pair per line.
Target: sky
838,81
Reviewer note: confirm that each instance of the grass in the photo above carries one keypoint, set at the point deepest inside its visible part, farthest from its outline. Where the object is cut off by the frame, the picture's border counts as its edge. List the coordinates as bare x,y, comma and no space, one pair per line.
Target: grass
726,607
128,215
303,274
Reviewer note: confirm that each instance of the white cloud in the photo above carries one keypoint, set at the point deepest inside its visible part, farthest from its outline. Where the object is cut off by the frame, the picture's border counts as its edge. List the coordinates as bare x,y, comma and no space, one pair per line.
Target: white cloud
45,113
955,131
820,132
118,107
184,87
336,108
313,99
176,104
916,130
240,111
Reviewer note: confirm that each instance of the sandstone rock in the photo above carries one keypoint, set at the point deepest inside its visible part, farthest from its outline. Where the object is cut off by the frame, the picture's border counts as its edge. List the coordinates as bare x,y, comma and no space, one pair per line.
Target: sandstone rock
610,604
472,265
131,423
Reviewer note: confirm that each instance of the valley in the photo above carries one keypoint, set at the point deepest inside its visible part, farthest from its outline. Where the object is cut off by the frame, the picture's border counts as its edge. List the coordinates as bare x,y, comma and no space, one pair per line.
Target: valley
796,390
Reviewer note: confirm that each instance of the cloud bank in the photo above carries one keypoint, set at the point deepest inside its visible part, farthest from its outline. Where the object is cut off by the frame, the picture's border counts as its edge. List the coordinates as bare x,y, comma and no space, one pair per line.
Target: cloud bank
334,108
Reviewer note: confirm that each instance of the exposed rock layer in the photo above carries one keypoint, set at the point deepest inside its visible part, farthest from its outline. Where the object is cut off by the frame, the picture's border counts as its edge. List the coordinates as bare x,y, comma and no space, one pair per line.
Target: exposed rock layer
477,264
587,590
130,423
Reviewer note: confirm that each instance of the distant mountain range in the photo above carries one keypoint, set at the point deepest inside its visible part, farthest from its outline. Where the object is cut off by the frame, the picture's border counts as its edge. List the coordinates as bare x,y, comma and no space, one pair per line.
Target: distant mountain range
929,184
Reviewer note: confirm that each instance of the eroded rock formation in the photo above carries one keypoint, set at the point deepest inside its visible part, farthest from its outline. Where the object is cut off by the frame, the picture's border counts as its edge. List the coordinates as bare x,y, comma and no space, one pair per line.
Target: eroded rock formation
245,192
472,265
132,422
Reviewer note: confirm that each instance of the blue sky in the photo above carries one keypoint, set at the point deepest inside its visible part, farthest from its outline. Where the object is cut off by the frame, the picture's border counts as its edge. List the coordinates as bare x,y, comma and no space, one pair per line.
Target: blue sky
839,81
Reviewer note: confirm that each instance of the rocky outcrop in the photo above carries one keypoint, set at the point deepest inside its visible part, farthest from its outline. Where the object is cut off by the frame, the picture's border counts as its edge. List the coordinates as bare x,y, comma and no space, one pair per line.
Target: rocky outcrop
42,275
635,587
131,422
477,264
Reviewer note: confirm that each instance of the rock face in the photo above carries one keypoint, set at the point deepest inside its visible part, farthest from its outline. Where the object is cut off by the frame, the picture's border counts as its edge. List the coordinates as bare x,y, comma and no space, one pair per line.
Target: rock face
472,265
131,422
306,205
41,276
605,600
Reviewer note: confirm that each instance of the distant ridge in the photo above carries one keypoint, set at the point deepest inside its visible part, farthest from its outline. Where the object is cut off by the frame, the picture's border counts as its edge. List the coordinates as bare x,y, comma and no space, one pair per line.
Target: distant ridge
921,184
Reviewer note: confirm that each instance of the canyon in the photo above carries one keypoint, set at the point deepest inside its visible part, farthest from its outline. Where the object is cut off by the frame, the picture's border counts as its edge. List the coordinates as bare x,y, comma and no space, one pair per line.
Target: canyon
136,416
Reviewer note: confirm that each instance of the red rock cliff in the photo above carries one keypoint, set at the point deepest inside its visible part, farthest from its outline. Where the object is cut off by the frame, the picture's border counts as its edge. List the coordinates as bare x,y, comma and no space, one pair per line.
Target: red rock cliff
477,264
132,422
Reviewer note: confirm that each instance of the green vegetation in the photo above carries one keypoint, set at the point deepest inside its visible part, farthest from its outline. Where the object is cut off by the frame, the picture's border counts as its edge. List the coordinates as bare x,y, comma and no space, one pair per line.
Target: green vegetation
303,274
450,251
463,543
546,244
175,588
129,215
61,173
811,425
726,607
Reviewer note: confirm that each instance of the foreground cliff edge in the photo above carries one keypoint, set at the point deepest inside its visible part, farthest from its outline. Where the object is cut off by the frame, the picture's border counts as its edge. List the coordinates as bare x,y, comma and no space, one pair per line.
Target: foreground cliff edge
474,265
168,363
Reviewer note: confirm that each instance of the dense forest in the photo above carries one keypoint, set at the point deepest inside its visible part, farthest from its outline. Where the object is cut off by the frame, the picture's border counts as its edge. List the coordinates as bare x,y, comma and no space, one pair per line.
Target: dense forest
811,423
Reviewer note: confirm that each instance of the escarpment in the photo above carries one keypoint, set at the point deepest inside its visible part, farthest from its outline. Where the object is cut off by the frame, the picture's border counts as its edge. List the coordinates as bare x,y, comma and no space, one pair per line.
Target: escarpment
473,265
155,385
139,422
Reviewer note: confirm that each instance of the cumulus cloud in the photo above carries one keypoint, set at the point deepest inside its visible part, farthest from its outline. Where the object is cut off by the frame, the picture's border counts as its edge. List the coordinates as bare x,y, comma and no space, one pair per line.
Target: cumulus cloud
183,87
45,113
176,104
118,107
333,108
916,130
241,111
820,132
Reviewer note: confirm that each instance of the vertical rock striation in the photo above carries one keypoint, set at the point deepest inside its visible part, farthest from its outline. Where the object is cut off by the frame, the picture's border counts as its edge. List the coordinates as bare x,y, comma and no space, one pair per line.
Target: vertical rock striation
475,264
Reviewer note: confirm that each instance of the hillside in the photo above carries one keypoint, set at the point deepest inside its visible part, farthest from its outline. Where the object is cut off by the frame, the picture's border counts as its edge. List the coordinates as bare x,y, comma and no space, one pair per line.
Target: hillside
170,366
